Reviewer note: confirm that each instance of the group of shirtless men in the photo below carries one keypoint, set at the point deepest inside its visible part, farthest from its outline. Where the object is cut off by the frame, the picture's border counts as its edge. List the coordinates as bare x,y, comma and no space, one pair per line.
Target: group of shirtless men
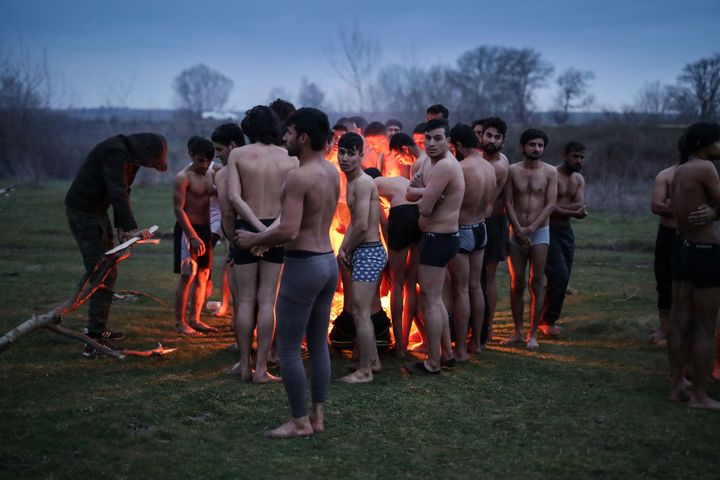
279,203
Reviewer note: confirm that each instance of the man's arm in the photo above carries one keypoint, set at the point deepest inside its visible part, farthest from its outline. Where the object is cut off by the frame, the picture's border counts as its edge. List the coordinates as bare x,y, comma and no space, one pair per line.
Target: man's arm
358,217
113,166
550,200
660,199
575,208
234,187
180,188
509,204
226,209
431,194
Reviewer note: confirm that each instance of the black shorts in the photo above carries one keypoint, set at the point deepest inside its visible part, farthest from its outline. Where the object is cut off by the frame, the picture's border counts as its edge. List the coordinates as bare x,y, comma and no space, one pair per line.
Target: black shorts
473,237
403,229
667,244
498,235
437,249
697,263
244,257
205,234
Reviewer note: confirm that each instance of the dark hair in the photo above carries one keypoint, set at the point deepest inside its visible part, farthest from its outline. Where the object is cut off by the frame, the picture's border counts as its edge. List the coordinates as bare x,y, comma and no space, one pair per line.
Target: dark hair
282,108
359,122
531,134
684,155
348,122
228,132
374,128
351,141
201,146
393,122
419,128
439,108
261,125
400,140
573,146
312,122
373,172
340,126
495,122
437,123
464,135
480,122
700,135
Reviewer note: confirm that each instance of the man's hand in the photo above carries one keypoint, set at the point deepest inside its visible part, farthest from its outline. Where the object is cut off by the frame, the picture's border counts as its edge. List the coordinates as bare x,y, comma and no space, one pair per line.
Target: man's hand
417,181
197,246
258,251
243,239
703,215
343,258
124,236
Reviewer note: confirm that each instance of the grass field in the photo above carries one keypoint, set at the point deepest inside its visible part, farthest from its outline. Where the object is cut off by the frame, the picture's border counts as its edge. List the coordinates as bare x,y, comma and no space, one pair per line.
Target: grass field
590,404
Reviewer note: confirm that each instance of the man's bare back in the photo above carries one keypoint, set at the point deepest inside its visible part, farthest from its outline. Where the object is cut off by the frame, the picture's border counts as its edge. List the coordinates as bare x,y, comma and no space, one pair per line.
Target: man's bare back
694,184
661,204
480,184
393,189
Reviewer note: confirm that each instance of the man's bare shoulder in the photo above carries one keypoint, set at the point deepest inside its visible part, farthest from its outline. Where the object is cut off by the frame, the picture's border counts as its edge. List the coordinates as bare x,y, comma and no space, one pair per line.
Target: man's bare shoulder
666,174
182,176
549,169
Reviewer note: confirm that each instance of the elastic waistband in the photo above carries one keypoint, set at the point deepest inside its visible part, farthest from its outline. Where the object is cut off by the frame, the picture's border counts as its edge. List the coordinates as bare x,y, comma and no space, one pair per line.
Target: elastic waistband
370,244
468,226
304,253
701,246
442,235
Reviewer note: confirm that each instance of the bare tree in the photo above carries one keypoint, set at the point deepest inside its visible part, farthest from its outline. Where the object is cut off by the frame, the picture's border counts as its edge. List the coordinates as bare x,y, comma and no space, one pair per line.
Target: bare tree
310,95
200,89
698,89
357,62
573,85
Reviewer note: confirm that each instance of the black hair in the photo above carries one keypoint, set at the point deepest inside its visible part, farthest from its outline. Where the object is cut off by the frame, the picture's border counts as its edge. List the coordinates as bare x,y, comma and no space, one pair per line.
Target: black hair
348,122
495,122
261,125
437,123
312,122
359,122
439,108
573,146
374,128
351,141
419,128
373,172
393,122
531,134
228,132
340,126
201,146
282,108
700,135
464,135
400,140
477,122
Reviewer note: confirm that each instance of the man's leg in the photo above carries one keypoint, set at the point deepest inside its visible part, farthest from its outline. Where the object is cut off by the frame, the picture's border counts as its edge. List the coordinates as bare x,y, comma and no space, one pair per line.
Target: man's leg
267,293
558,277
491,294
538,256
181,299
412,310
197,299
363,293
434,312
396,264
477,299
679,338
459,268
225,298
246,278
517,262
707,303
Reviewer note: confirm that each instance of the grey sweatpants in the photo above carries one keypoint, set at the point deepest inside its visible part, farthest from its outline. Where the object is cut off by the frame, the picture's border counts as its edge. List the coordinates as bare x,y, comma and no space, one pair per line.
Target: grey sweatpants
307,287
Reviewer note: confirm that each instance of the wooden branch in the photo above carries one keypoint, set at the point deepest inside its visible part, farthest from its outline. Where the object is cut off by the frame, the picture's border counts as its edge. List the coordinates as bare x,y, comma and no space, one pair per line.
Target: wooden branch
84,338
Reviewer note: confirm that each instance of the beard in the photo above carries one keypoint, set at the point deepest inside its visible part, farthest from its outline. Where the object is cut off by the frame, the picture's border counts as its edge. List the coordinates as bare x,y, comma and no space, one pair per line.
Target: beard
490,148
574,168
534,156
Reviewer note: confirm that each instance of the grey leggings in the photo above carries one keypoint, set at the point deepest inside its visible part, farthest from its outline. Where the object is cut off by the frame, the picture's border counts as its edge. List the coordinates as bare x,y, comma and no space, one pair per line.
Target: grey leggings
307,287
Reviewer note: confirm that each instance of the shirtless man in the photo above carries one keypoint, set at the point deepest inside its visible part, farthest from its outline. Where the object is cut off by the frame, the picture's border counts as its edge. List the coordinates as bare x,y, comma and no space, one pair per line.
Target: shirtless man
393,126
437,112
696,267
570,204
255,178
494,130
530,197
309,198
466,267
439,187
407,153
362,253
192,189
477,127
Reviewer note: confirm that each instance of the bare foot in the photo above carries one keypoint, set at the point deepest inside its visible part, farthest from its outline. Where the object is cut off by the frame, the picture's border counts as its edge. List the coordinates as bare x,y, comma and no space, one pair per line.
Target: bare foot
550,330
263,378
317,417
532,343
679,394
358,377
203,327
461,356
703,402
187,330
515,338
223,311
376,366
295,427
243,371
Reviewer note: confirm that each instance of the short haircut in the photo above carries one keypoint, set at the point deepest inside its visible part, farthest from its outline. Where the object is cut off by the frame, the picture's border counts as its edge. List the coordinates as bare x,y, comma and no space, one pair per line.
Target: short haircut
700,135
348,122
436,123
439,109
311,122
340,126
531,134
373,172
351,141
464,135
374,128
359,122
201,146
261,125
480,121
282,108
228,132
574,146
400,140
419,128
495,122
393,122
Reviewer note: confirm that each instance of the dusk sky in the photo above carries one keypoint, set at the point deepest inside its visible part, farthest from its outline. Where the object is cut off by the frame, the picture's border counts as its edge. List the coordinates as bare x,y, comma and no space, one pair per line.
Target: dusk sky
127,53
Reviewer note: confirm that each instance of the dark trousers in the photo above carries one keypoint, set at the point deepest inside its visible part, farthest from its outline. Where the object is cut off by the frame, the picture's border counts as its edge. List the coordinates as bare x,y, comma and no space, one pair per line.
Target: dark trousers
557,271
94,236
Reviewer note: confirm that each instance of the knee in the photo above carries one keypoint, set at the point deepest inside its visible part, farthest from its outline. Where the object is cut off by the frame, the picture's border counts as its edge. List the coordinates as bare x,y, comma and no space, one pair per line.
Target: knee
536,283
518,284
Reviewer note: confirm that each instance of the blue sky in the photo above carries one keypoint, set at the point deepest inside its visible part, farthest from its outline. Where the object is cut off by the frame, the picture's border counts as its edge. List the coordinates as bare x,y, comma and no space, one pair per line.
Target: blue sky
127,53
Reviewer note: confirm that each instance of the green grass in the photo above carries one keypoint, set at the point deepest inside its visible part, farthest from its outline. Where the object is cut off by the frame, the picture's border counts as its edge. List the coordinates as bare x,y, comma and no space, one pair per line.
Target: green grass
590,404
